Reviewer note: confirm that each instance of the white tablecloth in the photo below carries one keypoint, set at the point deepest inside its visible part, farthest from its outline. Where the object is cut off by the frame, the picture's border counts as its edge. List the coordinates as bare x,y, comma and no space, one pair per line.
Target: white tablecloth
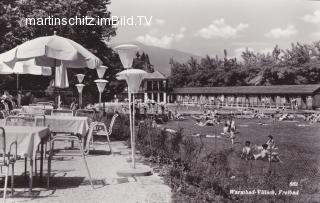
67,124
35,109
27,137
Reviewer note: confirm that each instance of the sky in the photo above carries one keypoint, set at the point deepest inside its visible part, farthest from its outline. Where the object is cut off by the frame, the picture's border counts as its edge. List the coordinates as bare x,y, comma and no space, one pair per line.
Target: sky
207,27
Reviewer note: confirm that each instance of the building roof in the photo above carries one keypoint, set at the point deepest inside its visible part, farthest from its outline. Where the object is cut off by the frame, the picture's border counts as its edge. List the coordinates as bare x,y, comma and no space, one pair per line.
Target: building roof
155,75
274,89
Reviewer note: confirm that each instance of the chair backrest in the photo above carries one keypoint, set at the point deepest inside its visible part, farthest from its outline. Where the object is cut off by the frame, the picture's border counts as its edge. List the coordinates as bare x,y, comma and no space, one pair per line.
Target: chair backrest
112,123
2,143
86,113
33,109
20,120
61,112
45,103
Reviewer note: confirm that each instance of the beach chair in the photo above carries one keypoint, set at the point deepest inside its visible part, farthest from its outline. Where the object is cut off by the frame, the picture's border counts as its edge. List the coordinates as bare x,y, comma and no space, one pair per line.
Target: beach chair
100,129
61,112
66,153
7,158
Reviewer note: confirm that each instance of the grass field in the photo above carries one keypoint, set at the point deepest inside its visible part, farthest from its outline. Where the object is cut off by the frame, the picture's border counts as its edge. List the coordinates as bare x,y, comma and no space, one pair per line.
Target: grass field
299,149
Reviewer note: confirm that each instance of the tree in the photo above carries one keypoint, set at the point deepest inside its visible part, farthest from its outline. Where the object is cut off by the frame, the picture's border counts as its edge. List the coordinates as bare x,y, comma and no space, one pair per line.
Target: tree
142,62
93,38
298,65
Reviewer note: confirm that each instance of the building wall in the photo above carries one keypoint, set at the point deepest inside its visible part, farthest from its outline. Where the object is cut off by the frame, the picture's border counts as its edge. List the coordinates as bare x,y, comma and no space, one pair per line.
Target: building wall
275,101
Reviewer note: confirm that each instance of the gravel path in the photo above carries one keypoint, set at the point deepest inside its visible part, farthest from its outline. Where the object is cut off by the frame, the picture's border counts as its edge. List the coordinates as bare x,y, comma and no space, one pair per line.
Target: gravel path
70,183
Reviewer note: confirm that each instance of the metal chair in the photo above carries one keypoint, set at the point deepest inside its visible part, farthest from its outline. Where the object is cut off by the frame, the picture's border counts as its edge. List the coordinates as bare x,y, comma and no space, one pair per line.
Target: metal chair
100,129
21,120
61,112
55,152
7,159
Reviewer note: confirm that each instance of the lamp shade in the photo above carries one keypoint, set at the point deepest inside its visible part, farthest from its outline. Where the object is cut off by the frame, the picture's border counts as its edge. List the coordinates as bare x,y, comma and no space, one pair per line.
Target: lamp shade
101,84
133,78
80,77
127,52
80,87
101,70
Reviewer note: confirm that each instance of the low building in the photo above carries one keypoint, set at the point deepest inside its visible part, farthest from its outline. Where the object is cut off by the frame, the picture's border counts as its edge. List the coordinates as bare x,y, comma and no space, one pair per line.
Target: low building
153,87
276,96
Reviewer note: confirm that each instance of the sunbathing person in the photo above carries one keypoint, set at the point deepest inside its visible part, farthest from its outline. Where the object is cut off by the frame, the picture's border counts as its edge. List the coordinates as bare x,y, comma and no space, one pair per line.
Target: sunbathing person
267,154
178,116
263,154
246,151
206,123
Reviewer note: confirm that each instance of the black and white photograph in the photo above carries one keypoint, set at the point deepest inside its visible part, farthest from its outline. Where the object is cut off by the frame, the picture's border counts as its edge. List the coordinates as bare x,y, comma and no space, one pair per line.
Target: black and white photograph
160,101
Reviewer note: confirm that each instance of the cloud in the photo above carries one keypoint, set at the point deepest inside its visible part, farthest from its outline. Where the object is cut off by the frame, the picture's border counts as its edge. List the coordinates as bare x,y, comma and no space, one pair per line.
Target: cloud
312,18
165,41
182,29
276,33
160,21
218,28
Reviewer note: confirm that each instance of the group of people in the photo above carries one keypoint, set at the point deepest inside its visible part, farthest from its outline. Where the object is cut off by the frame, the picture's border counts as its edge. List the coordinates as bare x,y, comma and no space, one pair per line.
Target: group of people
7,102
313,118
266,151
208,118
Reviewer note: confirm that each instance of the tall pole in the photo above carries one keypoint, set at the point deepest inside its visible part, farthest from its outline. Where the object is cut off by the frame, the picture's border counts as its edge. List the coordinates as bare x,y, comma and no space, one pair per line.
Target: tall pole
17,82
80,100
99,101
18,93
133,132
130,120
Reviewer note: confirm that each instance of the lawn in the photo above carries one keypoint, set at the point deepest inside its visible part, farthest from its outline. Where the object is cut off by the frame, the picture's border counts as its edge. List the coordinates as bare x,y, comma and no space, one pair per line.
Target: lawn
298,144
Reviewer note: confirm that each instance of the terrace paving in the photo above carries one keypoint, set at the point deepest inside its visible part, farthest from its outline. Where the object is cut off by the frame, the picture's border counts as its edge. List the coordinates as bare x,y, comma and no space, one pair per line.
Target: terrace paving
70,184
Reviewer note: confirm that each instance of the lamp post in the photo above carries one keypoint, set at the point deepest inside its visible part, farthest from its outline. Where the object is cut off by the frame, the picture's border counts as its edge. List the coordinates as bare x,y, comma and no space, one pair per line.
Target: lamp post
133,78
101,71
80,88
80,77
101,84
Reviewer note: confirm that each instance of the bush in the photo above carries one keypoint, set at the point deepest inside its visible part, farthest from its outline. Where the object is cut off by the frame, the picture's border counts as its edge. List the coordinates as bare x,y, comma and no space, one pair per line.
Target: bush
121,127
193,177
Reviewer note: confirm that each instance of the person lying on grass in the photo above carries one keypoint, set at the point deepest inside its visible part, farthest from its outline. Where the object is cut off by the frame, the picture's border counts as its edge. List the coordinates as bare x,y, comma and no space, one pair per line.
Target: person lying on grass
178,116
206,123
246,151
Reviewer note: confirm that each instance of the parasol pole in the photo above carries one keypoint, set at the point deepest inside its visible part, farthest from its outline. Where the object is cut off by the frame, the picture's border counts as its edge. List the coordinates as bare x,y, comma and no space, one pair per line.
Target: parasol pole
18,93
